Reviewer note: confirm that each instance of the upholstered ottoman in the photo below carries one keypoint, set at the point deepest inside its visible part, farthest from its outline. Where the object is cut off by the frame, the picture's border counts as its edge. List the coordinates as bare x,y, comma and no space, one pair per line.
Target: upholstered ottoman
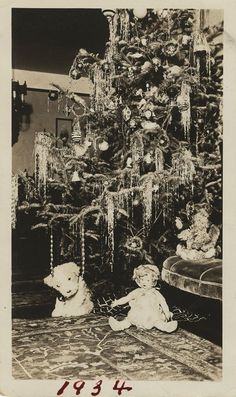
203,278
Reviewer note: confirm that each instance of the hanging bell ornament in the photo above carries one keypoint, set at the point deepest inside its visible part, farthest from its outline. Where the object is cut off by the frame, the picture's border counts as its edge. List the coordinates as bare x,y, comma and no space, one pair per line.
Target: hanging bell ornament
140,13
75,177
103,146
53,95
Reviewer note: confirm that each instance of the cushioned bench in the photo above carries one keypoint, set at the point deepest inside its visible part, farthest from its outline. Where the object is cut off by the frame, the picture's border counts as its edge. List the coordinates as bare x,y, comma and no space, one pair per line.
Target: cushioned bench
202,278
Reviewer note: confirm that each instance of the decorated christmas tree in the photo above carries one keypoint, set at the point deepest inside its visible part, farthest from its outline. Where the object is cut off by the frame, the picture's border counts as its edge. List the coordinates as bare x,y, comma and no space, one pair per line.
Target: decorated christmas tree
145,154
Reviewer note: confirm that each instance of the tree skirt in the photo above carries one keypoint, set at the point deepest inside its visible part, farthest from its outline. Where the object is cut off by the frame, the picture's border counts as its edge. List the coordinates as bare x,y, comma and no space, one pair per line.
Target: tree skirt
86,348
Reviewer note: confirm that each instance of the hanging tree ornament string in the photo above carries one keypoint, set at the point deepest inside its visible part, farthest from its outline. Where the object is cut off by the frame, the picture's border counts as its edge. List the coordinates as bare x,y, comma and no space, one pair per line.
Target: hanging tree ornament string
82,245
51,251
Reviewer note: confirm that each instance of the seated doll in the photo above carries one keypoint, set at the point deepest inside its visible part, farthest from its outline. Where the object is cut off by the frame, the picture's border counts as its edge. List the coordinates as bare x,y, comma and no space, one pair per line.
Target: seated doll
148,308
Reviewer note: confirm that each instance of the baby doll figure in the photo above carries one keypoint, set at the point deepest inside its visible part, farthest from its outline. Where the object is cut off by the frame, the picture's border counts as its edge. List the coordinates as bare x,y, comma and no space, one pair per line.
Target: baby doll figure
148,308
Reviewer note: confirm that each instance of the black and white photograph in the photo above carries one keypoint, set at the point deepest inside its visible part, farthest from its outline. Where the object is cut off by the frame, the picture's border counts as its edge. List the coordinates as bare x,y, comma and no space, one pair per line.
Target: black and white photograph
116,196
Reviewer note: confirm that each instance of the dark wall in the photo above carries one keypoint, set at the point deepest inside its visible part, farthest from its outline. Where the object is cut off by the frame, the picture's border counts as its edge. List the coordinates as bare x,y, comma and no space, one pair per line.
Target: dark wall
47,40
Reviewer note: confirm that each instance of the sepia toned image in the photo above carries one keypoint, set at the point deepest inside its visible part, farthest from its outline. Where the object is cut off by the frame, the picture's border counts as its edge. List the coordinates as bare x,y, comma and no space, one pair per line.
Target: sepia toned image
117,141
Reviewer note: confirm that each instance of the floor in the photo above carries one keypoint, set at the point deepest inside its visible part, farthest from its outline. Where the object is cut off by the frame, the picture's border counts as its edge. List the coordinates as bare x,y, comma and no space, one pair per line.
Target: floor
87,348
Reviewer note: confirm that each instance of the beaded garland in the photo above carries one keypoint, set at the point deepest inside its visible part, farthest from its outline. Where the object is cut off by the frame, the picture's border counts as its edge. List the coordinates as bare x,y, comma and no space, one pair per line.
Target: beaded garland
14,199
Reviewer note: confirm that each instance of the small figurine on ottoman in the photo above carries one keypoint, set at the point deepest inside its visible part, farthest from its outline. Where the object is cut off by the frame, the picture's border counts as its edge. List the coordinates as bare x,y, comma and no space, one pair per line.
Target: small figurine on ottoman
199,240
75,297
148,307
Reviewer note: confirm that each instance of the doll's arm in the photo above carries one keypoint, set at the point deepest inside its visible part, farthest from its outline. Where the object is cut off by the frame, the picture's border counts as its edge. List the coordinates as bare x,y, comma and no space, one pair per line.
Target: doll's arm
125,299
164,306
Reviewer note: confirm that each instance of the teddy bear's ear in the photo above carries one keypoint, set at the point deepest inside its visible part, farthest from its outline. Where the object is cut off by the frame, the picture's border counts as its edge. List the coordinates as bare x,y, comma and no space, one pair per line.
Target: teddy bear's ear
48,280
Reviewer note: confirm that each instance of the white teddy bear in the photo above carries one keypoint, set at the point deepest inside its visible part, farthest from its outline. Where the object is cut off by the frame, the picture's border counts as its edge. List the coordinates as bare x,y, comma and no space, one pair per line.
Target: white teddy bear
67,280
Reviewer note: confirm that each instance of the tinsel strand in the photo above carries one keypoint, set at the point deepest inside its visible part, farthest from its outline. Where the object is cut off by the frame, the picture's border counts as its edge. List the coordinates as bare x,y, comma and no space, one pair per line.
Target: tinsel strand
14,199
110,221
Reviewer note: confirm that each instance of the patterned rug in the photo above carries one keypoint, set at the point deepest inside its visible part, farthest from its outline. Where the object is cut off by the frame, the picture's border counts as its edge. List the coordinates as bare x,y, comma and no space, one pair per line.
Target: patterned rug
86,348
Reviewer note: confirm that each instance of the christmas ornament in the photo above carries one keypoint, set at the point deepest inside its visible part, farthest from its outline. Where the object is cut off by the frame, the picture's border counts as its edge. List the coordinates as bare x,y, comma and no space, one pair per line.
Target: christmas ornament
140,13
76,133
183,166
67,110
144,41
126,113
105,66
136,202
148,158
134,244
171,48
147,203
157,63
159,159
75,74
146,67
148,114
156,47
201,49
129,162
81,149
43,157
124,21
163,141
137,148
173,72
108,13
53,95
132,124
185,40
172,91
149,125
183,103
80,65
162,13
103,146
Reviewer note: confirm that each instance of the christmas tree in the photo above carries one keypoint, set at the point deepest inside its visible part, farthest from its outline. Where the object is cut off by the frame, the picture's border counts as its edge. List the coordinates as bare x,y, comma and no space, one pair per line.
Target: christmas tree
147,150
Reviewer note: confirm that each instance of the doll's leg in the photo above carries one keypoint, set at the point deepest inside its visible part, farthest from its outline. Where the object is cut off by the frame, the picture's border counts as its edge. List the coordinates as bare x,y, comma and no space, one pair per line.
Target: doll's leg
118,325
169,326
